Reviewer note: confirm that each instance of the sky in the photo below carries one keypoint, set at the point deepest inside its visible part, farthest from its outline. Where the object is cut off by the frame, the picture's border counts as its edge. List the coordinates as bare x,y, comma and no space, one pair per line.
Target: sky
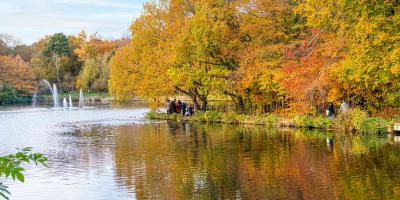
30,20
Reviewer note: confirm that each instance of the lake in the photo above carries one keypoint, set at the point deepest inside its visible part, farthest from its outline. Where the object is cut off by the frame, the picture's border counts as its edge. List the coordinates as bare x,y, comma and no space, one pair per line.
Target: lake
112,152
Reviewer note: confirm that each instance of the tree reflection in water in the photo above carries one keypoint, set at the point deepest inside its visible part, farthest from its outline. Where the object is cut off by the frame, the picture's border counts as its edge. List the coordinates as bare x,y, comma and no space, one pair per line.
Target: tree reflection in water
178,160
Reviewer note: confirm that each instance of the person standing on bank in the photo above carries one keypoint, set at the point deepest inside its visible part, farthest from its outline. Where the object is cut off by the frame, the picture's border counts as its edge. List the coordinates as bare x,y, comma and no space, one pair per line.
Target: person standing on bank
172,105
168,106
331,111
344,107
178,106
183,108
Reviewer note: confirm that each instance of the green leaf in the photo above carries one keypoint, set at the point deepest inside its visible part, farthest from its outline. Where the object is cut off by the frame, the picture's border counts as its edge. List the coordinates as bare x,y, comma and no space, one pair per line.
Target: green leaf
4,196
20,176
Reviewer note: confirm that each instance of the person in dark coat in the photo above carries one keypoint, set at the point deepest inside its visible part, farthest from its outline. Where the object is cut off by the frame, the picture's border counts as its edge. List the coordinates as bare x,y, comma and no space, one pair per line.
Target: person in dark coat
183,108
331,111
173,107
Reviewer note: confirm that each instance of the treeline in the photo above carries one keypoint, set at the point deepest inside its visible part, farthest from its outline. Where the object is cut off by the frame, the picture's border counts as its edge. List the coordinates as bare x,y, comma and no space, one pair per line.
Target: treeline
295,54
72,62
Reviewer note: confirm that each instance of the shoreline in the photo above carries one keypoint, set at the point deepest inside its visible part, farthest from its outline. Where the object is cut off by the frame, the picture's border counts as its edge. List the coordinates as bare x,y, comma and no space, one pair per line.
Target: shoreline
339,125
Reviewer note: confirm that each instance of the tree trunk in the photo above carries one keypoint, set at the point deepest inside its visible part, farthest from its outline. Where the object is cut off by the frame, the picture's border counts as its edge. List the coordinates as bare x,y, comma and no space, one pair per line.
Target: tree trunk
204,103
240,104
195,102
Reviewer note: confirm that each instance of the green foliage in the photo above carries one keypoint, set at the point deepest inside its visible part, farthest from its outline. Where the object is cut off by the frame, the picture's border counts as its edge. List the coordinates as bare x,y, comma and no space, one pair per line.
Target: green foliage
95,73
175,117
7,93
303,121
152,114
212,116
373,125
10,166
231,117
319,122
54,54
271,120
356,120
58,44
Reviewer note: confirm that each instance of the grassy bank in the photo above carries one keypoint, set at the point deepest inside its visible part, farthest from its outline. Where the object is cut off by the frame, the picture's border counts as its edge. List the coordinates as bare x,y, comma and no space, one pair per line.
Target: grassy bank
354,121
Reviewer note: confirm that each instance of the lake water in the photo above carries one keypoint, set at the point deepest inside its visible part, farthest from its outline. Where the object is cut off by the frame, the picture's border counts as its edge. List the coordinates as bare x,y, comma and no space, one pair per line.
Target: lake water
111,152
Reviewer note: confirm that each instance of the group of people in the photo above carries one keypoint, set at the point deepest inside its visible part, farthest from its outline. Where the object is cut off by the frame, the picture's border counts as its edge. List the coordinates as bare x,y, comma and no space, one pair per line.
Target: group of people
179,107
330,112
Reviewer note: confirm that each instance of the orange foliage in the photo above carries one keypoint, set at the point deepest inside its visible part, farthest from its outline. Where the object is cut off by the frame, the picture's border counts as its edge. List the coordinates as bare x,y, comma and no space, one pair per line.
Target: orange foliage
307,68
16,72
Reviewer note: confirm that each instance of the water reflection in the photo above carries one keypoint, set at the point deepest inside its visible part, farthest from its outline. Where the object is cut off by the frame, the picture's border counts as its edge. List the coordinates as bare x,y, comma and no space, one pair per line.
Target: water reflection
191,161
113,153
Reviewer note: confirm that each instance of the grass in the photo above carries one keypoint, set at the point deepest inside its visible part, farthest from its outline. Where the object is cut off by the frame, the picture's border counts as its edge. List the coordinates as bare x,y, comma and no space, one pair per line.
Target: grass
354,121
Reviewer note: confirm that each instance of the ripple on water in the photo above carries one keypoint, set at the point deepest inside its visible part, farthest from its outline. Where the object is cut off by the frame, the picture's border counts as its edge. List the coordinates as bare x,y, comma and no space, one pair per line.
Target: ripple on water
113,153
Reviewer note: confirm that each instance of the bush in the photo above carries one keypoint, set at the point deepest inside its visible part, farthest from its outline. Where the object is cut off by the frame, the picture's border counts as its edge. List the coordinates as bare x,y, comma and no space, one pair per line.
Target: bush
8,94
321,122
271,120
231,117
356,120
373,125
151,115
175,117
212,116
257,119
303,121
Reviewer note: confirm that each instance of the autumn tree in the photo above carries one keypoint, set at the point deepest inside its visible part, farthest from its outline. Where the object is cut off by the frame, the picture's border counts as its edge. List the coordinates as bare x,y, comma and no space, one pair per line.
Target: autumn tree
16,79
53,51
184,46
367,73
95,53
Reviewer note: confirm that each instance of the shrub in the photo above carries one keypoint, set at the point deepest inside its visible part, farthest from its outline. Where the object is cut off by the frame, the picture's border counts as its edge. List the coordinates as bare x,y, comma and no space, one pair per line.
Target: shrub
358,117
356,120
231,117
257,119
271,120
303,121
321,122
212,116
151,115
197,116
7,93
175,117
373,125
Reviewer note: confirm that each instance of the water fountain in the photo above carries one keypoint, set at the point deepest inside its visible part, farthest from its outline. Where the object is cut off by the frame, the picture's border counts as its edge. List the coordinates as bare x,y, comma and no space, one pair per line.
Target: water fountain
48,87
45,86
34,100
70,102
65,103
55,96
81,99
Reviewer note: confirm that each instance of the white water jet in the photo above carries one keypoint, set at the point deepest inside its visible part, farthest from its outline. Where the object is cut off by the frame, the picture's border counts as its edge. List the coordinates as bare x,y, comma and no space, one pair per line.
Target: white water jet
55,96
53,91
81,99
70,102
34,99
65,104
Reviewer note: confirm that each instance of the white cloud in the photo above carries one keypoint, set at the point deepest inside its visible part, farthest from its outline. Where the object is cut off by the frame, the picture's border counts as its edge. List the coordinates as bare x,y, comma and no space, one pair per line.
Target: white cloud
30,20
